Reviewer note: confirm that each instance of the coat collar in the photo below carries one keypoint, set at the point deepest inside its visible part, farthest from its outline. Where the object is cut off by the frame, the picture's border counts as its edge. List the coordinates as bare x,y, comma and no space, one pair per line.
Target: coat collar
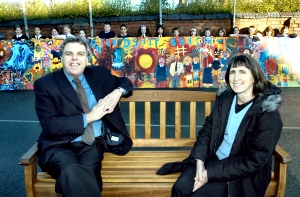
269,101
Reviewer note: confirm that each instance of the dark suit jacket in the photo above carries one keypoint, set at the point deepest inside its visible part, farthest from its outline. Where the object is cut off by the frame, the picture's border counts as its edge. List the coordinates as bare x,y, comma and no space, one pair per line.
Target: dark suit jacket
60,113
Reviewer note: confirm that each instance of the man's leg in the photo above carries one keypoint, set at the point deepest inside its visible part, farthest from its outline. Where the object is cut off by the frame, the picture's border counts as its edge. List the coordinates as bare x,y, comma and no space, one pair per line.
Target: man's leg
74,166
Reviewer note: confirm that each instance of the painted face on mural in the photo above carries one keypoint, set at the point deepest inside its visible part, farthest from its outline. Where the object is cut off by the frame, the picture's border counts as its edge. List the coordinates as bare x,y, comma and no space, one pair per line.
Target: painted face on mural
161,60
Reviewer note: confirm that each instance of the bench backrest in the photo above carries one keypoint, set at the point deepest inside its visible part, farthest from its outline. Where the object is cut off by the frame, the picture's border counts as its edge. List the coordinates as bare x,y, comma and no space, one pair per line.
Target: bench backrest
170,116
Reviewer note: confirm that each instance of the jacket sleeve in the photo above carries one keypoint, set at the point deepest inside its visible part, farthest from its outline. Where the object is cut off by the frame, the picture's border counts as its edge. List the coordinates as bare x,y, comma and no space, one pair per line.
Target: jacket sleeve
51,107
257,152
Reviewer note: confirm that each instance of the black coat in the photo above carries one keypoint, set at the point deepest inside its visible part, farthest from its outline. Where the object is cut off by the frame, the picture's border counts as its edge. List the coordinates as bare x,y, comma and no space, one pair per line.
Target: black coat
60,113
248,167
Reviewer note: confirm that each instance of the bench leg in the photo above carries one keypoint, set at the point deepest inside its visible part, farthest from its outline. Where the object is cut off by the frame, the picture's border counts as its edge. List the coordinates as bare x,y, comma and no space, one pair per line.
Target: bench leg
30,176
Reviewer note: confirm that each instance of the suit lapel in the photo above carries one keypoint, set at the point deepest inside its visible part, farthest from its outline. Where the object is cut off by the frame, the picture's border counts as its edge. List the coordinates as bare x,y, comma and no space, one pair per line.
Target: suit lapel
94,83
66,88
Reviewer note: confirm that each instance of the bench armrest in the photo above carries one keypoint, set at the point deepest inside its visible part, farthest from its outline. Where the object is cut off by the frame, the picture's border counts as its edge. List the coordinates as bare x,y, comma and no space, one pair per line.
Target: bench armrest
281,155
30,156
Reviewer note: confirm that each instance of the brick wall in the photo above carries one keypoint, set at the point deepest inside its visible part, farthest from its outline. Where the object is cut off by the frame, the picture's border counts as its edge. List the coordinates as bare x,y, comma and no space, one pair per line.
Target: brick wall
184,25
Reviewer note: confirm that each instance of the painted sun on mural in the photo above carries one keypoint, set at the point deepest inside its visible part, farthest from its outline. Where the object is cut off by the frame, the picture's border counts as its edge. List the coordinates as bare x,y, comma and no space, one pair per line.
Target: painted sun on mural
165,62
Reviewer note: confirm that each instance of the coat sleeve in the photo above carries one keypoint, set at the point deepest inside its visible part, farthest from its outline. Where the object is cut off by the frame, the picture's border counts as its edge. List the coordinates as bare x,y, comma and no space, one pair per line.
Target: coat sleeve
257,152
59,118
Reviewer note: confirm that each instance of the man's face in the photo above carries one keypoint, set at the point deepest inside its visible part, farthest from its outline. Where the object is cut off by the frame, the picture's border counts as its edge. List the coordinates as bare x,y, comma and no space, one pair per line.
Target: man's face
107,28
176,33
74,59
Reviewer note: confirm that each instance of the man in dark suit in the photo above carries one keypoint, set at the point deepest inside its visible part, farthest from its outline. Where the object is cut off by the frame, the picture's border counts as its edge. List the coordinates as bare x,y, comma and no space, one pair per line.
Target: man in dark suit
63,152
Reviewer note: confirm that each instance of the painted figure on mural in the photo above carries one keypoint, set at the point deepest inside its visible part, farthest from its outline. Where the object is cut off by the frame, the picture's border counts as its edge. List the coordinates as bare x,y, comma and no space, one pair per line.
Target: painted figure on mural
55,52
224,64
207,68
176,68
161,73
196,67
188,71
216,65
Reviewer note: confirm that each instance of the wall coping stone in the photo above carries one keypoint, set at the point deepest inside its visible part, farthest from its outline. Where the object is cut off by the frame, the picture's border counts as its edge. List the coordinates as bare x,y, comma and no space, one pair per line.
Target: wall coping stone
247,15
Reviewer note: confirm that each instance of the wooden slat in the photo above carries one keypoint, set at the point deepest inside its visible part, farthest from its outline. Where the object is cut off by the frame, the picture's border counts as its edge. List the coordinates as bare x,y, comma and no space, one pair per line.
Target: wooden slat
147,120
163,142
193,120
162,120
177,120
132,120
207,109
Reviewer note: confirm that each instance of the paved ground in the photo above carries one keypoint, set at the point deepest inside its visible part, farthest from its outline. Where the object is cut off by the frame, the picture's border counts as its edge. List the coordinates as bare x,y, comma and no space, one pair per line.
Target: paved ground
19,129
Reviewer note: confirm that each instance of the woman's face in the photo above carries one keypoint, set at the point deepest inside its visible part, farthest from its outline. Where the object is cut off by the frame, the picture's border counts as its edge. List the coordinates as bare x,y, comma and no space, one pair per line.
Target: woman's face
269,33
207,33
220,33
236,31
67,30
123,30
160,31
143,30
193,33
241,81
18,31
54,32
81,34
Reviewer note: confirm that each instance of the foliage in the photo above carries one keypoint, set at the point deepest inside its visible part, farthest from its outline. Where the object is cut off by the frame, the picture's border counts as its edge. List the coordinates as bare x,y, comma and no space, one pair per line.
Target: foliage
41,9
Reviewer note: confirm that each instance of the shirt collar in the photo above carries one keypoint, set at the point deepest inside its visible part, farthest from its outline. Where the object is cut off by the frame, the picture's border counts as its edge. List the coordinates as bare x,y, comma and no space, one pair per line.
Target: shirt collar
70,78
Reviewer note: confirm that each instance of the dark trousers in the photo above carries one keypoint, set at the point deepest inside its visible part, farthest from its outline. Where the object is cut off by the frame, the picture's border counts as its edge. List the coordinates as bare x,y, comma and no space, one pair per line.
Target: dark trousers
76,168
183,187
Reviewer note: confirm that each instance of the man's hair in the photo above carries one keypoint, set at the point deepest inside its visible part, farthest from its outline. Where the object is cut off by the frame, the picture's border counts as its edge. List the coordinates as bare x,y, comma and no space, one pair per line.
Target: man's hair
175,29
107,23
73,39
123,25
260,84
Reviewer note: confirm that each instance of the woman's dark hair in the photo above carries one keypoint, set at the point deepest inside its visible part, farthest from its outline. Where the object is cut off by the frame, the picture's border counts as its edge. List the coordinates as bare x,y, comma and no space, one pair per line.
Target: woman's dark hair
260,84
17,26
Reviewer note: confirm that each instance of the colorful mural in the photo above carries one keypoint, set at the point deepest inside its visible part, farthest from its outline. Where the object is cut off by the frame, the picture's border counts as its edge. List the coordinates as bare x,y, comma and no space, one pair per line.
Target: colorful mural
166,62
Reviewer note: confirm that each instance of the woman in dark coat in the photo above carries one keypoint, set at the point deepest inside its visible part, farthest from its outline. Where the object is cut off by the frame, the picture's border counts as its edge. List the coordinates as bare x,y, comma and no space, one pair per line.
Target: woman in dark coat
232,155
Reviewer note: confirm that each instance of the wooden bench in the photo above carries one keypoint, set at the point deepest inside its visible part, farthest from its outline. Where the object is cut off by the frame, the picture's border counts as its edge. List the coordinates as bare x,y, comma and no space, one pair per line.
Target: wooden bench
165,133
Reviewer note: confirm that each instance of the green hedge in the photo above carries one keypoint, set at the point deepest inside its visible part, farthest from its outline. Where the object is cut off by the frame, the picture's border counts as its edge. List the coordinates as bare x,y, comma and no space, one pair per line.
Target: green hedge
39,9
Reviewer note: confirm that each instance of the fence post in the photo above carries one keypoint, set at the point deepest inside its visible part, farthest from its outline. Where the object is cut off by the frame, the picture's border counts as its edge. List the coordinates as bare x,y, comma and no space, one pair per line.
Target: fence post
91,19
25,18
234,10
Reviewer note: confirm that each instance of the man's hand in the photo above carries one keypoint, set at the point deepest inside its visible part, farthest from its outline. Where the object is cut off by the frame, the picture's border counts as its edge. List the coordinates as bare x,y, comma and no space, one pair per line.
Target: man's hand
104,106
113,100
201,175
